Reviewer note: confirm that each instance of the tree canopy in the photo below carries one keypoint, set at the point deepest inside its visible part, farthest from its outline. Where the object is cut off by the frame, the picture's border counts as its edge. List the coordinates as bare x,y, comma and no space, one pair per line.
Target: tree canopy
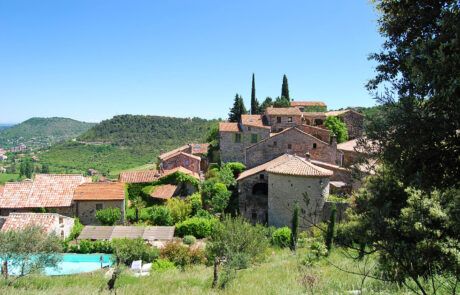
336,126
237,110
255,107
285,88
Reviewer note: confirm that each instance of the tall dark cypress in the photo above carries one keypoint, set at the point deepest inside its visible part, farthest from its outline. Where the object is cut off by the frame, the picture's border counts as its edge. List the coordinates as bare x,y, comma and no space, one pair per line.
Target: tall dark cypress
254,103
237,110
285,88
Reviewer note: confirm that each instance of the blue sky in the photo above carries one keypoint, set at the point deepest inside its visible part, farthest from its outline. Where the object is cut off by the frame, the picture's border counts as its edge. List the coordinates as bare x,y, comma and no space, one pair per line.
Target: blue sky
92,59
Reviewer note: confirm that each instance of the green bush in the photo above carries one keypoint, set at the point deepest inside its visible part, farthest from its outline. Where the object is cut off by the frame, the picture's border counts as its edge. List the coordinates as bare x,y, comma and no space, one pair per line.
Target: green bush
204,214
282,237
158,215
189,240
108,216
76,230
179,209
236,167
87,247
128,250
196,202
195,226
161,265
182,255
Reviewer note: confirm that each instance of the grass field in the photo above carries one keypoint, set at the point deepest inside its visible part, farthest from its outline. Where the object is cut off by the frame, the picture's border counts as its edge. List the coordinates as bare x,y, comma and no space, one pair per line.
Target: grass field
4,177
280,274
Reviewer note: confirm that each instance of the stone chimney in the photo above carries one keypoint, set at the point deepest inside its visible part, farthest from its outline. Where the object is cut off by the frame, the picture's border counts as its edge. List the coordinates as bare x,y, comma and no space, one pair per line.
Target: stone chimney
308,156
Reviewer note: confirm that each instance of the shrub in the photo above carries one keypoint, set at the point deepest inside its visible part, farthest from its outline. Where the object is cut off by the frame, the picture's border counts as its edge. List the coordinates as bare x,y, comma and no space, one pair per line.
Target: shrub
338,127
128,250
159,215
195,202
236,167
195,226
86,247
182,255
282,237
179,209
161,265
219,198
204,214
108,216
189,240
76,230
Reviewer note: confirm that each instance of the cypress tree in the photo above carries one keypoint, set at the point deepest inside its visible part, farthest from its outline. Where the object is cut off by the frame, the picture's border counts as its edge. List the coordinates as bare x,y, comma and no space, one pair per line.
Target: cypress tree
330,229
294,227
237,110
254,103
285,88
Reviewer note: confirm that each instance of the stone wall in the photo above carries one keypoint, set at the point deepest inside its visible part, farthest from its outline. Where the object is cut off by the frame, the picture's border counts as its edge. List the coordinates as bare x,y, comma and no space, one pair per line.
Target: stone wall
86,210
285,190
232,151
292,141
286,122
63,226
181,160
252,200
354,122
320,133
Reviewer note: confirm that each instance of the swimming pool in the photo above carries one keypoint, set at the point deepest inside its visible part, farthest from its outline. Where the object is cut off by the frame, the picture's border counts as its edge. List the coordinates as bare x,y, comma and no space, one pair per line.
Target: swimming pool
75,263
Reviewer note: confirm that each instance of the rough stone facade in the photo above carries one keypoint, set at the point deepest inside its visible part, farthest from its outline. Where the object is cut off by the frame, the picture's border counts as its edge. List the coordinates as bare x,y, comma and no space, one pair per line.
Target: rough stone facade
232,145
291,141
280,122
285,190
192,163
354,122
318,132
253,197
86,210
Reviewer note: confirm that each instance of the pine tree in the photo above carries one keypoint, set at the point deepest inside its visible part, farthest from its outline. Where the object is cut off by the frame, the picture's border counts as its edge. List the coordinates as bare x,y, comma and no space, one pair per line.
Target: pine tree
255,108
237,110
294,227
285,88
330,229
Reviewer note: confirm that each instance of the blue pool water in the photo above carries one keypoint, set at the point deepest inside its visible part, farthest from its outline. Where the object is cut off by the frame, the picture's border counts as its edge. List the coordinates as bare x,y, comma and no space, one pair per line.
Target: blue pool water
76,263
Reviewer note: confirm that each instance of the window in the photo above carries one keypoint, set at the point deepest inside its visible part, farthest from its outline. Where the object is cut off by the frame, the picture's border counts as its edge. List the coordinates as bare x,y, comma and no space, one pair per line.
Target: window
254,214
238,137
249,128
278,119
314,145
98,206
253,138
275,143
289,146
61,220
290,119
262,177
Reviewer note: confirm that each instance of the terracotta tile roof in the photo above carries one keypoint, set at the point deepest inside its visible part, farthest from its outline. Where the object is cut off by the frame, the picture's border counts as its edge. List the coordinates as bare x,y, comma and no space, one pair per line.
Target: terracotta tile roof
347,145
152,233
183,154
181,169
174,151
261,168
307,104
298,166
45,191
2,187
199,148
352,146
283,111
338,113
90,232
253,120
138,176
165,191
19,221
314,114
228,127
100,191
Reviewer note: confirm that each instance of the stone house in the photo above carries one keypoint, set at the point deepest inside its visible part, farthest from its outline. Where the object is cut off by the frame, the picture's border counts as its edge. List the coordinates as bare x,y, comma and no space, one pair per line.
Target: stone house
51,223
282,118
353,120
268,192
313,118
291,141
309,106
190,156
91,197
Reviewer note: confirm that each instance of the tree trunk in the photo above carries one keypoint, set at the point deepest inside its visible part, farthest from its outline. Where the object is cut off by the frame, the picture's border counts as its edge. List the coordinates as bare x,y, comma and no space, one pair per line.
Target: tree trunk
5,269
216,273
113,279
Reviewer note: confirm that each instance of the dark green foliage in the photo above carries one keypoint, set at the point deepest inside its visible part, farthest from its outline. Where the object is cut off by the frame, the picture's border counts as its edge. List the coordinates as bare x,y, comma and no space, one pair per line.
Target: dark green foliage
26,169
255,108
159,215
45,169
236,168
42,132
294,227
128,250
330,229
337,127
282,237
281,102
213,140
195,226
88,247
285,89
195,202
182,255
109,216
76,230
268,102
237,110
189,240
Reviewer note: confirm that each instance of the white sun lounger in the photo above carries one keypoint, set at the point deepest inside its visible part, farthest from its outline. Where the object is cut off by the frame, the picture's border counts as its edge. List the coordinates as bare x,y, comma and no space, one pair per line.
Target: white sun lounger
139,270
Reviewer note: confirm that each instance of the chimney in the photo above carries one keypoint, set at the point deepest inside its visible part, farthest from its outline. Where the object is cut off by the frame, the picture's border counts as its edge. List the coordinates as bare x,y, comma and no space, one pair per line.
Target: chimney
307,156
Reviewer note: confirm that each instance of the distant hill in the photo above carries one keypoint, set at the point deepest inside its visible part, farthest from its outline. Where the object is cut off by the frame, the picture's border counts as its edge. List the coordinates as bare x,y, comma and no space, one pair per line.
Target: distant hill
42,132
124,142
4,126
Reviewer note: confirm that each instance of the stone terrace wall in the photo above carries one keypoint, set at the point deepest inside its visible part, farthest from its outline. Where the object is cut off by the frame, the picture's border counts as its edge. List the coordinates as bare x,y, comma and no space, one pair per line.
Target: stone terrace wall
231,151
249,203
86,210
275,126
320,133
354,122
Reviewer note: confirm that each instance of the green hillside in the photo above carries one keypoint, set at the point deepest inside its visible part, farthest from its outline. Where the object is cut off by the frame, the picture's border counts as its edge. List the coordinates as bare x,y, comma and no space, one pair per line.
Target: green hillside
42,132
124,142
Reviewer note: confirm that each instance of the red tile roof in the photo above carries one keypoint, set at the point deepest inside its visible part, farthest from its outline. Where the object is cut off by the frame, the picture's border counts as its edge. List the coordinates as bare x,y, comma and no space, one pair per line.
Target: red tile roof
181,169
283,111
45,191
174,151
165,191
261,168
49,222
199,148
339,113
2,187
253,120
228,127
307,104
100,191
183,154
298,166
139,176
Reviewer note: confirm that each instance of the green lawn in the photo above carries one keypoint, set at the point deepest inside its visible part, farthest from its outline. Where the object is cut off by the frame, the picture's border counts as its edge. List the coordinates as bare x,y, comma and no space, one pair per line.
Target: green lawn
280,274
4,177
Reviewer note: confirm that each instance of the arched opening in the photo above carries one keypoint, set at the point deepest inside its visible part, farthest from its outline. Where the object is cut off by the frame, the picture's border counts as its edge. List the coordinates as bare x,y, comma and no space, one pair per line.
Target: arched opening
307,121
260,189
318,122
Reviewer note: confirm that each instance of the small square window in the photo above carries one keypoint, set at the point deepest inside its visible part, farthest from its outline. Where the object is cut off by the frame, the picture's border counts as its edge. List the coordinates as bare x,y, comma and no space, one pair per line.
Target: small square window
275,143
238,137
98,206
290,119
314,145
278,119
289,146
261,177
253,138
249,128
61,220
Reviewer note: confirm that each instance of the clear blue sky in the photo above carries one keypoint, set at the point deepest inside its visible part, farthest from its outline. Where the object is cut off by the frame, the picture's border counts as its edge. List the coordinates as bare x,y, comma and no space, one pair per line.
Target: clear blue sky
92,59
